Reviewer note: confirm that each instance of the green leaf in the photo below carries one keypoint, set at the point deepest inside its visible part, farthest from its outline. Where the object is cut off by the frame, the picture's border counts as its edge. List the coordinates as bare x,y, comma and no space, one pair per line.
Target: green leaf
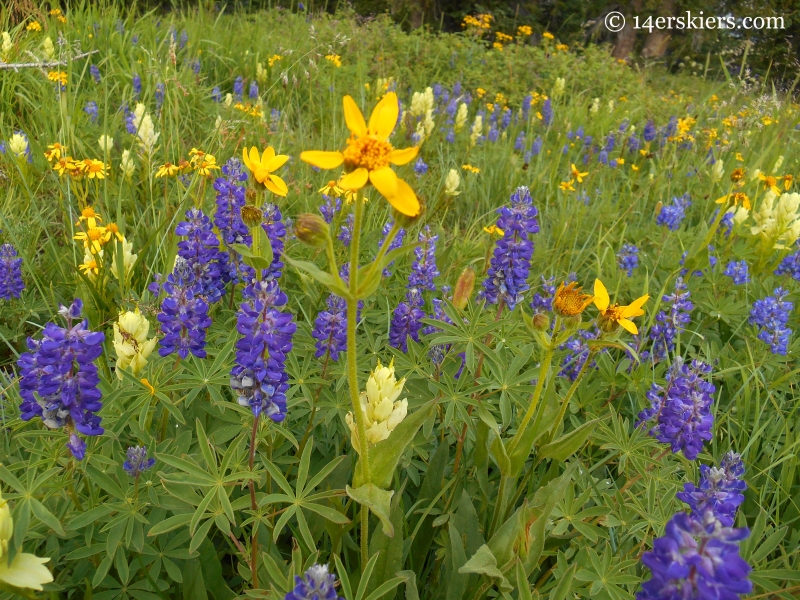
90,516
483,562
385,588
264,246
410,579
326,511
45,516
565,446
564,584
384,456
344,578
170,524
378,501
336,284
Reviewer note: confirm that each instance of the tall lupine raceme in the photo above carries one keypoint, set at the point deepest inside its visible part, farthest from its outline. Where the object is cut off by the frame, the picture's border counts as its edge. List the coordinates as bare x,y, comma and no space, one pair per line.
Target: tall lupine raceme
201,251
670,322
771,315
58,378
11,283
184,313
507,277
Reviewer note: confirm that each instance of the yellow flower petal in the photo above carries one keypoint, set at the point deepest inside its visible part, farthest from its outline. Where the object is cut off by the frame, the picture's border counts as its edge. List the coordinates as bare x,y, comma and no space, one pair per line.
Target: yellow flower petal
276,185
25,571
601,299
355,180
268,155
384,116
254,159
353,117
634,309
322,160
385,181
276,162
405,200
403,156
628,326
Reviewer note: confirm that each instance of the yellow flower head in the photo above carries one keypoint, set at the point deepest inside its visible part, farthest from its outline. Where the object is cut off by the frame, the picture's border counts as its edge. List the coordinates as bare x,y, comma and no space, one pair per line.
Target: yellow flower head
494,230
612,315
167,170
787,181
54,151
570,299
205,164
94,169
368,155
34,26
576,174
331,189
770,183
93,238
90,267
262,168
737,175
112,230
737,197
91,217
548,36
566,186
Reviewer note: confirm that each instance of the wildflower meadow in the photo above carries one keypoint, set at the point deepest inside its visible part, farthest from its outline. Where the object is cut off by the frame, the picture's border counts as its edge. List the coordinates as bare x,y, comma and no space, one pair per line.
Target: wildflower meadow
299,305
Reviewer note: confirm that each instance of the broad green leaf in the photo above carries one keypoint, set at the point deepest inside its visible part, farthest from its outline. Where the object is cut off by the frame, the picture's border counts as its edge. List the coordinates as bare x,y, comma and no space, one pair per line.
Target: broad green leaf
565,446
378,501
335,284
169,524
384,456
483,562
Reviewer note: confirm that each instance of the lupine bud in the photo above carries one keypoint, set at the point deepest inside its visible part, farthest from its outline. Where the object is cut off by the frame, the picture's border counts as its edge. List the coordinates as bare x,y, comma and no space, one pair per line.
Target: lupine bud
464,287
312,230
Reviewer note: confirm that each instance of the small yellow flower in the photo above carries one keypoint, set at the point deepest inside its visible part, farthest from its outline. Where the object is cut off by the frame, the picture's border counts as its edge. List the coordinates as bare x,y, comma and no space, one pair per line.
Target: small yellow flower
788,180
576,174
471,169
34,26
90,267
620,161
562,47
148,385
94,169
369,154
91,217
480,92
566,186
93,238
548,36
167,170
65,165
570,300
739,157
331,189
524,30
737,197
494,230
55,12
770,183
54,151
262,168
335,59
737,175
273,59
634,167
57,77
206,164
612,315
112,230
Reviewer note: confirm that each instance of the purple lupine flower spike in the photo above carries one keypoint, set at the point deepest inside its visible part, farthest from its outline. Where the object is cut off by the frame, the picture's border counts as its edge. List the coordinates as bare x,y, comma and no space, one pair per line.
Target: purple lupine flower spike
184,314
720,490
11,284
201,251
771,315
315,584
137,461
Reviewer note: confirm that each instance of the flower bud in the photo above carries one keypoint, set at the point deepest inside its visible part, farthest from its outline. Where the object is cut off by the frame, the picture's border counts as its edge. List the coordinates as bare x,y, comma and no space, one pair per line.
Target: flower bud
251,215
312,230
464,287
541,322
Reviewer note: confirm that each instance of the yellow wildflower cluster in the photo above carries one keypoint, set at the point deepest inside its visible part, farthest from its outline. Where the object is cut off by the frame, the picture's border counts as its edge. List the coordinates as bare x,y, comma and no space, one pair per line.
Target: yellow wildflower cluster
562,47
249,109
502,37
480,22
548,36
273,59
58,77
202,162
335,59
480,92
56,12
524,31
33,26
471,169
62,164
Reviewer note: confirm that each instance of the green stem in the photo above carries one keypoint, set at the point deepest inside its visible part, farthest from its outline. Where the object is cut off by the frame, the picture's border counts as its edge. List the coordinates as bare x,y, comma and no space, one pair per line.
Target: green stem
254,506
571,392
544,371
352,368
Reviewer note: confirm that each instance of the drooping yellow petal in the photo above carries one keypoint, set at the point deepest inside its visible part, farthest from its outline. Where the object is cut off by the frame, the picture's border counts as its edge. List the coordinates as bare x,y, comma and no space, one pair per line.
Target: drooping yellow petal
405,200
403,156
25,571
628,326
276,185
246,159
269,154
385,181
601,299
355,180
255,159
384,116
353,117
276,162
322,160
634,309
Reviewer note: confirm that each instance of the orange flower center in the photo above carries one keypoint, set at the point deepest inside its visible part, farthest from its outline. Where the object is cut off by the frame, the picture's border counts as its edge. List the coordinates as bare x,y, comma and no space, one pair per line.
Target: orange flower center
770,181
367,152
112,227
88,213
569,300
95,234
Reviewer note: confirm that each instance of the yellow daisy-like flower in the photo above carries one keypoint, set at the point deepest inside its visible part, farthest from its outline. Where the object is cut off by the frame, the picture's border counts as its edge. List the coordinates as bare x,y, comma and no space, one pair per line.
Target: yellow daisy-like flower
737,176
332,189
770,183
737,197
54,151
570,300
368,155
91,217
93,238
206,164
566,186
167,170
262,167
94,169
788,180
90,267
614,314
113,230
34,26
65,165
634,167
576,174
